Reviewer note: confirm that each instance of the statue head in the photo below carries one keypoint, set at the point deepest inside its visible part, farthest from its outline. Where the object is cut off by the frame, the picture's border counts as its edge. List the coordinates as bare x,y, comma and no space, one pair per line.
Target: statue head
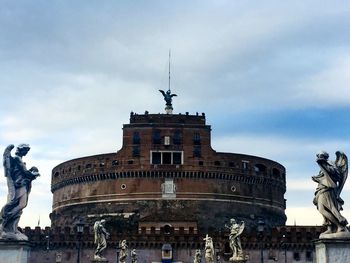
322,155
103,221
22,149
123,244
168,92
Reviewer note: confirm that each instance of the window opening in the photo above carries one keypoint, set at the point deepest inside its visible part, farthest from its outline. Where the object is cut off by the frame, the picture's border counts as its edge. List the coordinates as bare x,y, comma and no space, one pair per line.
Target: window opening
177,138
166,157
196,138
135,151
156,137
136,138
166,140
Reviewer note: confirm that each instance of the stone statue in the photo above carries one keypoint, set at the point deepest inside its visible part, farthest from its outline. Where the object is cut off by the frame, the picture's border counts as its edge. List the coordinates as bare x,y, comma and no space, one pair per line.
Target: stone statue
133,256
123,253
209,249
101,236
168,97
331,180
19,182
236,230
197,256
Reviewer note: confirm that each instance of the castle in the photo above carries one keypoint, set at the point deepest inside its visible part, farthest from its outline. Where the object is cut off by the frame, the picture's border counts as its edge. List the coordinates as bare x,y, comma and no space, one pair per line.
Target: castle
167,188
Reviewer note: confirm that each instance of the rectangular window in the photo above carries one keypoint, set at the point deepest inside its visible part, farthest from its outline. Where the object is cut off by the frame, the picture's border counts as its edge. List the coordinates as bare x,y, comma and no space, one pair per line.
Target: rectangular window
197,151
136,138
166,157
156,137
156,158
166,140
196,138
177,158
136,151
245,165
177,138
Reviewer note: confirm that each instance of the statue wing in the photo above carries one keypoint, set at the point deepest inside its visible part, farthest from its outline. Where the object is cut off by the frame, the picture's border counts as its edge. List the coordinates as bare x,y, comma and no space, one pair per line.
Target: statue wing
162,91
241,228
7,162
341,163
173,95
96,232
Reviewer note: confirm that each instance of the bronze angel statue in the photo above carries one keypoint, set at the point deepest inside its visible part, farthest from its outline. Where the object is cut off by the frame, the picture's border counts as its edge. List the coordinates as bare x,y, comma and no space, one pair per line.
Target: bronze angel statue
331,180
168,97
19,182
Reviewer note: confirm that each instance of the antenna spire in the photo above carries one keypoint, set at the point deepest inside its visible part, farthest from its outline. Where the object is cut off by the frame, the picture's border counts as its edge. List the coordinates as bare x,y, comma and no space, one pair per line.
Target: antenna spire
167,95
169,69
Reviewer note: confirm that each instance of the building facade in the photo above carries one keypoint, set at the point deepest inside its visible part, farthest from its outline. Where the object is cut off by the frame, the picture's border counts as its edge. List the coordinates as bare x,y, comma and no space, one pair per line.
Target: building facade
163,192
168,176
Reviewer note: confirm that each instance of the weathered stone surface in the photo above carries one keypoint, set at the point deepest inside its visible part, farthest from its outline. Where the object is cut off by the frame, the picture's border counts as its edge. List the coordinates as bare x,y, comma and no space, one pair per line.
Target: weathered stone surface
14,251
332,251
102,260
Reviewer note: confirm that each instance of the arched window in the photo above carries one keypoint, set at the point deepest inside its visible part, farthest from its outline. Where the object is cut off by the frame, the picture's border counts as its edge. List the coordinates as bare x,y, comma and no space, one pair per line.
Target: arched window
276,172
167,229
260,169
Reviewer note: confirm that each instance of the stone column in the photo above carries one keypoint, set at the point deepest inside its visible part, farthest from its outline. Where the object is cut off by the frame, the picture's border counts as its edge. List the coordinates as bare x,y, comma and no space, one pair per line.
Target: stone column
332,250
14,251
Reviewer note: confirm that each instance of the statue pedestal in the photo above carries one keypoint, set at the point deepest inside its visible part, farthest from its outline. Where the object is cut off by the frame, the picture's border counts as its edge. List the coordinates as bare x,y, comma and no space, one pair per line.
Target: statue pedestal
332,250
98,259
14,251
169,110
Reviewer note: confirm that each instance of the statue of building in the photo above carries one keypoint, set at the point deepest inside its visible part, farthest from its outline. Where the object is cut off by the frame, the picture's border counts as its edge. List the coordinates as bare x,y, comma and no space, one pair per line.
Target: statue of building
168,100
236,230
123,253
101,236
19,182
209,249
133,256
197,256
331,180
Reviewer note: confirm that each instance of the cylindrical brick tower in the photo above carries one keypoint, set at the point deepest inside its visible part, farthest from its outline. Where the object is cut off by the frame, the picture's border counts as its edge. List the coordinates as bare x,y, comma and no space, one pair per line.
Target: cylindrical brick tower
167,174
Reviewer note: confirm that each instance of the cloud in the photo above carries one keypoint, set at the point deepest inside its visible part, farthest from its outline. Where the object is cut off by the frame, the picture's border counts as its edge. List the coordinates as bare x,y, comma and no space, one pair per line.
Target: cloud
297,154
329,86
271,77
303,215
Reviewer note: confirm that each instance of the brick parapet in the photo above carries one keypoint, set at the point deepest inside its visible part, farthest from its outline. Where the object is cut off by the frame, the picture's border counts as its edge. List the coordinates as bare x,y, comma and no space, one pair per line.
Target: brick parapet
288,237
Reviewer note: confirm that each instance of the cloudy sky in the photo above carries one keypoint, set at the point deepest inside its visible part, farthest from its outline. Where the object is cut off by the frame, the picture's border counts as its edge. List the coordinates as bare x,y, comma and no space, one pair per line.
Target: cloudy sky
273,78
